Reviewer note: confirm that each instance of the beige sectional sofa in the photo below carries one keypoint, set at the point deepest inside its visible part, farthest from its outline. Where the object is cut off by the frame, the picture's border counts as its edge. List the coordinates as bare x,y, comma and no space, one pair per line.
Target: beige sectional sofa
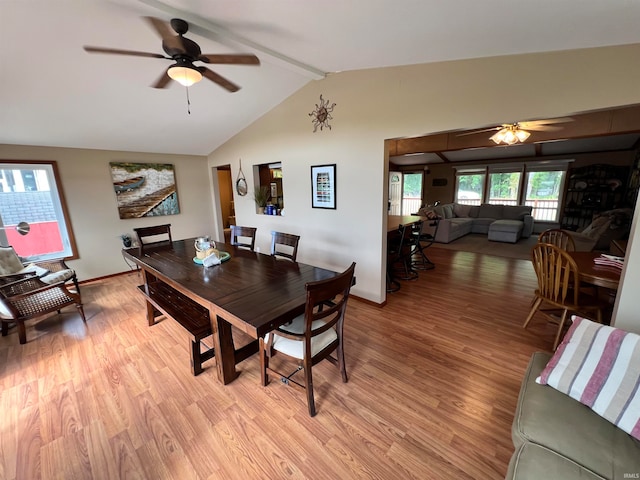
501,223
557,437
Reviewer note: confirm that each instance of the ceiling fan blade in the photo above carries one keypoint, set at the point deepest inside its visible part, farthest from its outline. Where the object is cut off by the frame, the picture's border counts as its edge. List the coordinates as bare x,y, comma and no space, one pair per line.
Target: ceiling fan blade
237,59
116,51
220,80
550,121
492,129
162,28
163,81
540,128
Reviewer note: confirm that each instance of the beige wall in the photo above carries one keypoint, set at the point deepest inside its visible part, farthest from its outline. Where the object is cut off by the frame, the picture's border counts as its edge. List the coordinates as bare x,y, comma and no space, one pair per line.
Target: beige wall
378,104
91,200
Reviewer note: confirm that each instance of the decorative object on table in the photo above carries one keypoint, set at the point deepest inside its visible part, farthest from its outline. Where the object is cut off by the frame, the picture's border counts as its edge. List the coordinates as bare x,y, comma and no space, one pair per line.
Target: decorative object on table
241,182
204,247
323,186
321,115
126,240
261,197
144,189
210,260
609,261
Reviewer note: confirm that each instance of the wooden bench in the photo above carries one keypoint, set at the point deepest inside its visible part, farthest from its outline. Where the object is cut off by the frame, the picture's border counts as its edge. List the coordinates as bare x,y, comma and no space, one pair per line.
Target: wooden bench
193,317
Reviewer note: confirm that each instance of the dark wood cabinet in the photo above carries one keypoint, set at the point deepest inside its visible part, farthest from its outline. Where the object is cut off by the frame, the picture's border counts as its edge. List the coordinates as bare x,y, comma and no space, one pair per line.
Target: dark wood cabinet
590,190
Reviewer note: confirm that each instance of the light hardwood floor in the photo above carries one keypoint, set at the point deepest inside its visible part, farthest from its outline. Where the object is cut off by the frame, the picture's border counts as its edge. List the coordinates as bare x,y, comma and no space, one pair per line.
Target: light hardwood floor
433,382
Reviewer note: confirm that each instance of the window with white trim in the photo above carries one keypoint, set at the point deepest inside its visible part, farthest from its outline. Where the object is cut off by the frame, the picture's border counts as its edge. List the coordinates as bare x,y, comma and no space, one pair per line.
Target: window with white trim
31,192
470,185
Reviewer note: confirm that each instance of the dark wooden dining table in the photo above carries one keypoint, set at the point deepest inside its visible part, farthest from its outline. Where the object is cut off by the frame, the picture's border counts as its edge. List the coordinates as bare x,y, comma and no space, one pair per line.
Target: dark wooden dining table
394,222
599,275
251,291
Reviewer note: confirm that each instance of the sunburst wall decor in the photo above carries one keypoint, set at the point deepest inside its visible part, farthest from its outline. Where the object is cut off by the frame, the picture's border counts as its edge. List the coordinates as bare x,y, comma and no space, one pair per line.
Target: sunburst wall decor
322,114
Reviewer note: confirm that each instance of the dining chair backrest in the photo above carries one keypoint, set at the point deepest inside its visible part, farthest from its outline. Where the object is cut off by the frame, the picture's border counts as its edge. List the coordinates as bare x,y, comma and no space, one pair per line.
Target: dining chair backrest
243,232
557,273
314,335
288,240
559,238
155,236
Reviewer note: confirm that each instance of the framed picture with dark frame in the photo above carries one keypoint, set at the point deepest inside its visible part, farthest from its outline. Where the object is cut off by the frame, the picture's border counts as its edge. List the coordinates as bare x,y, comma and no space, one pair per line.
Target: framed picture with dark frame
323,186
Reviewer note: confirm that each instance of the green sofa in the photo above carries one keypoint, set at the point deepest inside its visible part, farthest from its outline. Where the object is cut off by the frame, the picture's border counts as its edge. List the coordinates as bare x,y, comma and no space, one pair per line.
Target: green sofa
557,438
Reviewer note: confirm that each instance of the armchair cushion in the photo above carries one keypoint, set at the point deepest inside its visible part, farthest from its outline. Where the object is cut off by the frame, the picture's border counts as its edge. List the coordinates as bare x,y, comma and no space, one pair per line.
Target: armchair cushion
9,261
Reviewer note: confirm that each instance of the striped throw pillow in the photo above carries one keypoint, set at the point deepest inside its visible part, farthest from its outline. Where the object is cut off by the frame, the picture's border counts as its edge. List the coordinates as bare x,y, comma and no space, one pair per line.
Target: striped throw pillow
600,367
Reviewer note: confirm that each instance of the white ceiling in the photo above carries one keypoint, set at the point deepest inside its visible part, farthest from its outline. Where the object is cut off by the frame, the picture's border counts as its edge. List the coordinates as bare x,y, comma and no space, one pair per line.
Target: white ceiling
53,93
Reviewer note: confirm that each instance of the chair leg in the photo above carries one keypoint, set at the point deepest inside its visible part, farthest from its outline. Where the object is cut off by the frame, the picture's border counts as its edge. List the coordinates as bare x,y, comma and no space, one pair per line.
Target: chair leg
534,308
81,310
308,383
22,332
75,283
562,320
341,364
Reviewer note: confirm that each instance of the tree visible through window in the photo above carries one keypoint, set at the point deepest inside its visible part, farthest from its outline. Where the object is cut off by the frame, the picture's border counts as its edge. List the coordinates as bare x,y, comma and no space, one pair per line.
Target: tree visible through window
30,192
411,193
470,188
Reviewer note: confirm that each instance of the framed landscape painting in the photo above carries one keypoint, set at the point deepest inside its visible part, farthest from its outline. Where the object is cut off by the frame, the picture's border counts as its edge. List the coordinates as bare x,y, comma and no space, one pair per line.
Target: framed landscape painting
144,189
323,186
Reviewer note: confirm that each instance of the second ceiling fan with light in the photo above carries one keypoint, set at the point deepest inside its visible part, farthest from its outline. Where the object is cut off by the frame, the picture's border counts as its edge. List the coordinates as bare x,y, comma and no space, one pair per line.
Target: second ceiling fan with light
518,132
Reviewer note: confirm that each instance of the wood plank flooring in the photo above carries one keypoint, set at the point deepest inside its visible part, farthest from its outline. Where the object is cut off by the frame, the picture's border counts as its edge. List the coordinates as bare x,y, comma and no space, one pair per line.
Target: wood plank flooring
433,382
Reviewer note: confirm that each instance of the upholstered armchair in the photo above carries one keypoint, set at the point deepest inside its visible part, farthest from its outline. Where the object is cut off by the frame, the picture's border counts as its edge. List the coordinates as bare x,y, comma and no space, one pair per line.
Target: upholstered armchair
49,271
605,227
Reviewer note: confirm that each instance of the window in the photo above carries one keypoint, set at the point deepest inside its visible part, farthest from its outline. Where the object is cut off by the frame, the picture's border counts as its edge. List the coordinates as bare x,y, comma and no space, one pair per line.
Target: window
504,185
30,192
470,186
411,193
543,192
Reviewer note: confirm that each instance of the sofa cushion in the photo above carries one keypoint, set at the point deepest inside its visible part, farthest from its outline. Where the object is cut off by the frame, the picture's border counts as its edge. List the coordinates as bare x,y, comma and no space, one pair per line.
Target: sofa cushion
448,210
599,366
490,211
461,211
516,212
473,212
558,422
534,462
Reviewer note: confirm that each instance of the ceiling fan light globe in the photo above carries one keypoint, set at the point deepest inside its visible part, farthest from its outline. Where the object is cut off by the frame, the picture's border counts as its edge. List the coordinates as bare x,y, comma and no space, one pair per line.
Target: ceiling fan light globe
498,137
522,135
185,76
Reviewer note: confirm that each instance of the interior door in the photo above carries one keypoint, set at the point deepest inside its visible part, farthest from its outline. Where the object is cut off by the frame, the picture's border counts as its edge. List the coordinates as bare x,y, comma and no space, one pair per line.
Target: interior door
395,193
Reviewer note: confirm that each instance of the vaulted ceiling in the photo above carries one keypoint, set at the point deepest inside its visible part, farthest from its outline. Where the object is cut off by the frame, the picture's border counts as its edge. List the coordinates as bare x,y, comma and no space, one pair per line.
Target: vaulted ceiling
53,93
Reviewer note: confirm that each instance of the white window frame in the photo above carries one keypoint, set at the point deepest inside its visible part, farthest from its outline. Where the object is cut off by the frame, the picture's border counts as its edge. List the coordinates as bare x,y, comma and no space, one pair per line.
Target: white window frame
69,249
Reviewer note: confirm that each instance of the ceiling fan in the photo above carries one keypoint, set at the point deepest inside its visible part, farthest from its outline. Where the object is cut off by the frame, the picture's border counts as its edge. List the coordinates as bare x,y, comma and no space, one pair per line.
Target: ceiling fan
184,53
510,133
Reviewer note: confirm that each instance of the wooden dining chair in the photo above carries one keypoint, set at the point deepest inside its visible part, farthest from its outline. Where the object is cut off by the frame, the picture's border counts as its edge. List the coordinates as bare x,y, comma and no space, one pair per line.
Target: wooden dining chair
32,298
312,336
248,233
153,237
559,238
559,287
287,240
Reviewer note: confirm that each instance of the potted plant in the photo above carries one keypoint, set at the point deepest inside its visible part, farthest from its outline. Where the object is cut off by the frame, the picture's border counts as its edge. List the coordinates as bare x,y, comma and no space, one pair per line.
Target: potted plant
261,196
126,240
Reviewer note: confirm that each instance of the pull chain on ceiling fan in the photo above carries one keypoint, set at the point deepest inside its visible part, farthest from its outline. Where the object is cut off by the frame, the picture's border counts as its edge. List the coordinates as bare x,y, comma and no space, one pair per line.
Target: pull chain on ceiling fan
184,52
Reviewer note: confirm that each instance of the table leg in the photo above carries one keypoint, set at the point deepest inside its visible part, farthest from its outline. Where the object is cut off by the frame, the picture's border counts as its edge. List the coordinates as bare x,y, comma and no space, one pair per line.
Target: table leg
225,350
